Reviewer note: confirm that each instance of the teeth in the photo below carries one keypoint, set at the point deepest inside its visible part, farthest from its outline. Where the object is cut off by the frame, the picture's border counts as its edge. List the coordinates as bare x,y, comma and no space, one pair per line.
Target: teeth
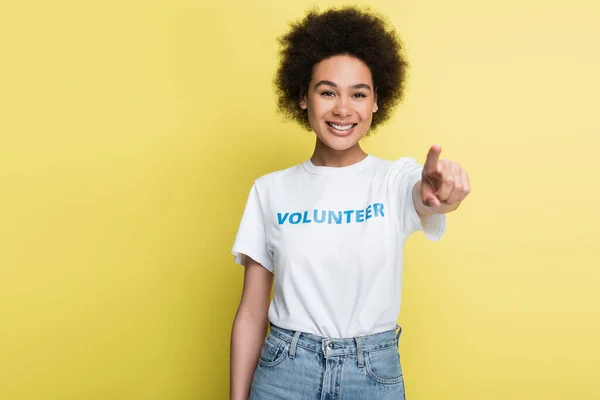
341,127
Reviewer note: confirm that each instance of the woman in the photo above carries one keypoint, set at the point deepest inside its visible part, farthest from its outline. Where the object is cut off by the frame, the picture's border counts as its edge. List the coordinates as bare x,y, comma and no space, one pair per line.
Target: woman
329,233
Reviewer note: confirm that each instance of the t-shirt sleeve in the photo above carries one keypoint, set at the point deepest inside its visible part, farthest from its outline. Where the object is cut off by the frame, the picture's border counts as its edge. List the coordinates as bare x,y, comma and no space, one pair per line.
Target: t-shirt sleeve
405,173
251,238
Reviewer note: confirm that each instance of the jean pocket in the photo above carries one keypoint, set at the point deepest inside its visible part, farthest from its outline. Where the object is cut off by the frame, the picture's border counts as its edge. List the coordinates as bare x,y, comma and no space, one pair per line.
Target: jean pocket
273,351
384,365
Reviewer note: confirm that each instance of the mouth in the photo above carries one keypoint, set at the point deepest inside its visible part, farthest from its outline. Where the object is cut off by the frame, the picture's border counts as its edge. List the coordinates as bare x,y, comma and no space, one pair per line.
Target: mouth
341,130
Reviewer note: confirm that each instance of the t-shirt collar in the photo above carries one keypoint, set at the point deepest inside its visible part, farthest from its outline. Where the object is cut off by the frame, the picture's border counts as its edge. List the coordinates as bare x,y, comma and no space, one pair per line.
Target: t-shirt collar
350,169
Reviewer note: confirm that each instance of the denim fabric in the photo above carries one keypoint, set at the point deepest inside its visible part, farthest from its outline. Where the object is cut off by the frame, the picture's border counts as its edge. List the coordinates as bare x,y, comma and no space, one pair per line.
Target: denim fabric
301,366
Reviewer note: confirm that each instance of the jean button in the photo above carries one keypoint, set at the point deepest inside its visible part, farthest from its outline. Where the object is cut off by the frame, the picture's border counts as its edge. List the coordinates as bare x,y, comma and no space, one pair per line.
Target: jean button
331,346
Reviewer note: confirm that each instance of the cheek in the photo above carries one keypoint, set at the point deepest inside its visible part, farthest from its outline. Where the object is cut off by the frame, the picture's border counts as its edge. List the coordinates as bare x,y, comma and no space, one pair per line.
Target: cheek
366,113
365,109
313,116
317,109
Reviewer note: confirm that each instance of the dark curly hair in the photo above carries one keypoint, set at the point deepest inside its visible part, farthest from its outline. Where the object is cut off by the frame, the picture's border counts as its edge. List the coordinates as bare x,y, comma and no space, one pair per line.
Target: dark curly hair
349,30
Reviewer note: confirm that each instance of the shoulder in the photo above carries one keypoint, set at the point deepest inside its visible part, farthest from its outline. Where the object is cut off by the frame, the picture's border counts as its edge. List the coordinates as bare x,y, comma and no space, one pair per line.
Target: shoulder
400,166
267,181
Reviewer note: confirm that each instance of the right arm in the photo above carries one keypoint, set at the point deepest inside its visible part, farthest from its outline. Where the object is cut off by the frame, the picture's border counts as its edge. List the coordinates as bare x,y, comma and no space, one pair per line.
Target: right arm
249,328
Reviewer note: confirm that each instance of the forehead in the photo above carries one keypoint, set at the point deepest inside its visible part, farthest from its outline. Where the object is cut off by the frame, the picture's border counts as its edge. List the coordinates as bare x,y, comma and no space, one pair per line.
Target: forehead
342,69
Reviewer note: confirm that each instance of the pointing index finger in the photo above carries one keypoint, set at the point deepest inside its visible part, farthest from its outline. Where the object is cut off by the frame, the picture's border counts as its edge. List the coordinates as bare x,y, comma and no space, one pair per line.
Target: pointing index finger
433,156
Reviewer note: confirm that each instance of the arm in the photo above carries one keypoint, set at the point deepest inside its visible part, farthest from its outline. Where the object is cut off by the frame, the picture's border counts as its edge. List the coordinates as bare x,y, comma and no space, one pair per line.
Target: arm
249,328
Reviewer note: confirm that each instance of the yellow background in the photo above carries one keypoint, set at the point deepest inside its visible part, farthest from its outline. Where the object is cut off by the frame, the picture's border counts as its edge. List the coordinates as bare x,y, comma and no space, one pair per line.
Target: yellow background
131,132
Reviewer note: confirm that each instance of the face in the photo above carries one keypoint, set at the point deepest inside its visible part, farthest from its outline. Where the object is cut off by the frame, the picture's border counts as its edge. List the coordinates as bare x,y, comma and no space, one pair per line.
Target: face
340,101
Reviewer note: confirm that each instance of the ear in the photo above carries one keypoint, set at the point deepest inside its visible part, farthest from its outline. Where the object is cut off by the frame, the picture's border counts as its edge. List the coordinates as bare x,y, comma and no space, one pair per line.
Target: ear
302,102
375,106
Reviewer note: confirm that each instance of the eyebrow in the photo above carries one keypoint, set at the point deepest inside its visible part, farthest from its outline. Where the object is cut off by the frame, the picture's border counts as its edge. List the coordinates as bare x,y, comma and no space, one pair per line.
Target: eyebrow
333,84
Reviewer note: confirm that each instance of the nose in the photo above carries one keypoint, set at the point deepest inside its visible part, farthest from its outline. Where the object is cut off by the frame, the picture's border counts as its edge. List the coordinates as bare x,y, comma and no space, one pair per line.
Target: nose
342,108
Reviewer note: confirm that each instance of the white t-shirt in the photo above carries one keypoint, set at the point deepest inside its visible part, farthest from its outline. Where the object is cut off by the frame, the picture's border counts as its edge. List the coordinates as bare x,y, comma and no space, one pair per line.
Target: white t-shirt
333,237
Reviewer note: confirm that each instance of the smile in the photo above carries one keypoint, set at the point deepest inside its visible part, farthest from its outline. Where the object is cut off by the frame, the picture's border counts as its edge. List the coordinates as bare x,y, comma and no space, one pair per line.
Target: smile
341,127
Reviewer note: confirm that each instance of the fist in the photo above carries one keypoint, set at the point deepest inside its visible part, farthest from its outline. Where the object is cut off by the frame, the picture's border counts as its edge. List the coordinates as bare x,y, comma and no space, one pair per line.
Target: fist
443,181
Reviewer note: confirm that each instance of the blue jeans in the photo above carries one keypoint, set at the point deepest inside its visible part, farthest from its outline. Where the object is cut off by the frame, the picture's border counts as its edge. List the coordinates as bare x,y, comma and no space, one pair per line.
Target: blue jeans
301,366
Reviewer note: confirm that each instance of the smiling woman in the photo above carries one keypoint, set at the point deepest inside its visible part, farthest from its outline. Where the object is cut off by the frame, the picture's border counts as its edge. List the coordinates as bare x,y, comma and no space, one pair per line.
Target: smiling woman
328,232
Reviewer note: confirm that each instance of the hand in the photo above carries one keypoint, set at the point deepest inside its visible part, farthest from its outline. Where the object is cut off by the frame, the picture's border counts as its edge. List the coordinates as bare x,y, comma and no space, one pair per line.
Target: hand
443,181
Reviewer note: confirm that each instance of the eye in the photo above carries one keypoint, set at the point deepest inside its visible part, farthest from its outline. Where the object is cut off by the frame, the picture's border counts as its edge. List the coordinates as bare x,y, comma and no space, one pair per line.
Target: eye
359,94
327,94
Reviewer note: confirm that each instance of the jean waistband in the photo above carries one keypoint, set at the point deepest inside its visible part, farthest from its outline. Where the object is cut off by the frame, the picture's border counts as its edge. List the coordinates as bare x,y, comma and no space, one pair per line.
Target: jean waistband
338,346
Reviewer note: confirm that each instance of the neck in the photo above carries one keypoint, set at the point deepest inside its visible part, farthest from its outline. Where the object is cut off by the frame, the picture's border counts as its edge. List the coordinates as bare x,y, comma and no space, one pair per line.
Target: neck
325,156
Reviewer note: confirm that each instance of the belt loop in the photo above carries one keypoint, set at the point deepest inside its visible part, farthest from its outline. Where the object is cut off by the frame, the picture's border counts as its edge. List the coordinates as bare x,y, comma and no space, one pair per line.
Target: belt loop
399,328
359,352
294,344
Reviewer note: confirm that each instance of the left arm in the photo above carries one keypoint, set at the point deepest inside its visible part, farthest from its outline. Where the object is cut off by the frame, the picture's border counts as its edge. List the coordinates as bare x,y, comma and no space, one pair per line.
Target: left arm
443,186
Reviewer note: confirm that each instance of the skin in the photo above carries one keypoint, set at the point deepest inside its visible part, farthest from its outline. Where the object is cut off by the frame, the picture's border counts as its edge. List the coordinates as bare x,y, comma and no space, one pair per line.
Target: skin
249,328
443,186
340,91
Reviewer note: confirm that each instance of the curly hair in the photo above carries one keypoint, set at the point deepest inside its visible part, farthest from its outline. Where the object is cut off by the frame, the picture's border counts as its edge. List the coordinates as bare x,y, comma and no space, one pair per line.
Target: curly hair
349,30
